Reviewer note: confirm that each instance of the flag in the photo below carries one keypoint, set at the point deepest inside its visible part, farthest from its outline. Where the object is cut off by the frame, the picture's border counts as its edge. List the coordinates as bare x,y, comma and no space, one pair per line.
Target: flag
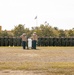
35,17
45,21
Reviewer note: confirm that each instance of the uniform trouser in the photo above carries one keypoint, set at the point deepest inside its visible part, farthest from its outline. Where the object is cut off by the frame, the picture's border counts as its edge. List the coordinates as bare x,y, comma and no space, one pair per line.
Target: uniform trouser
24,44
27,44
33,44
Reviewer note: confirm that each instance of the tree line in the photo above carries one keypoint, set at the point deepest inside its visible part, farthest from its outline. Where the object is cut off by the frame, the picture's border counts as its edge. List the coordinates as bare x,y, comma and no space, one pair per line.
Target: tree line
42,31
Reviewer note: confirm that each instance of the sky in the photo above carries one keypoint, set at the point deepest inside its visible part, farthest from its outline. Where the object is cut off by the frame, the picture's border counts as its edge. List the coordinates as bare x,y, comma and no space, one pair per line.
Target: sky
58,13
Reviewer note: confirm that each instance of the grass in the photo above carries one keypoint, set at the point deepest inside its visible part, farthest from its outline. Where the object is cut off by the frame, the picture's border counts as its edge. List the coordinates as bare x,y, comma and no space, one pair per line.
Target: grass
15,58
35,65
51,67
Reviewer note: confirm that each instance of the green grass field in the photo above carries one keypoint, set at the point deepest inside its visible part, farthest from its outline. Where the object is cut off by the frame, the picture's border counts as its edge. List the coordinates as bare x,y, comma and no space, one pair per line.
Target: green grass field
43,61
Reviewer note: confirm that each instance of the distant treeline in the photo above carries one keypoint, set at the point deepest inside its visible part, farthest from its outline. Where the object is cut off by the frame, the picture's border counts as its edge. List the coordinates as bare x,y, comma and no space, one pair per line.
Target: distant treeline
42,31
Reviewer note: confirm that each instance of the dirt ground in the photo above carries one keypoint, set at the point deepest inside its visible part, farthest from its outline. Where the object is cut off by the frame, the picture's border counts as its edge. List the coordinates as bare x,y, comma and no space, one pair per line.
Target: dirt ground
42,54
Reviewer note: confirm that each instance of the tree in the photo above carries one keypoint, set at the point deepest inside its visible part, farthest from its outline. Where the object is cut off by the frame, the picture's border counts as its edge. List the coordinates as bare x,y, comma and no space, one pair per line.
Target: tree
48,31
62,33
4,33
18,30
71,33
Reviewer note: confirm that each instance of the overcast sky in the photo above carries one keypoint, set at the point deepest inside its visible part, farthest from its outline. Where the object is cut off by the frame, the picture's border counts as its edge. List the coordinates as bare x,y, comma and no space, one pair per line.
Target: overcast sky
58,13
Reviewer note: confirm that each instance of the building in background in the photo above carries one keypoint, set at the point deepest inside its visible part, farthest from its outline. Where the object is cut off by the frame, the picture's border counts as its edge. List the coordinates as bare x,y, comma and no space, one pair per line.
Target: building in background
0,28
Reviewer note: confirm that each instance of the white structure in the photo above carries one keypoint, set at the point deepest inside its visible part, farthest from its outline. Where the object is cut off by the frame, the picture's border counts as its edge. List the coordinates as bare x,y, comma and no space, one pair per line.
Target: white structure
29,43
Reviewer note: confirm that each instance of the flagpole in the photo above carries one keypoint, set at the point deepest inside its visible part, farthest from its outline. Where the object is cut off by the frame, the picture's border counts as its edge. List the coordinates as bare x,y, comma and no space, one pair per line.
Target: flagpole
36,20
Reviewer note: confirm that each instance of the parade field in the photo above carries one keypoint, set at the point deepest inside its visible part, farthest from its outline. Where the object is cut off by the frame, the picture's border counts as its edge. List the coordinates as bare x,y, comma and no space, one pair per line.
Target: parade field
42,61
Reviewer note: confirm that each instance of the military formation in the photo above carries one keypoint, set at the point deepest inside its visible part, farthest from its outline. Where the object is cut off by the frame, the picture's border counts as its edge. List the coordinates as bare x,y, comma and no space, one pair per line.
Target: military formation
35,40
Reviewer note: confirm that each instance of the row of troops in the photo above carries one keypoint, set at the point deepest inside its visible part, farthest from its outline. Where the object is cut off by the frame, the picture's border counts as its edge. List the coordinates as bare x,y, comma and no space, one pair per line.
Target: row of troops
10,41
31,41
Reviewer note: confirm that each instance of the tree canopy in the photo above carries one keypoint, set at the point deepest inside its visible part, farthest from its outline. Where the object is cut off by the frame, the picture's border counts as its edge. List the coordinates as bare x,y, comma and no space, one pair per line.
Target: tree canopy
42,31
